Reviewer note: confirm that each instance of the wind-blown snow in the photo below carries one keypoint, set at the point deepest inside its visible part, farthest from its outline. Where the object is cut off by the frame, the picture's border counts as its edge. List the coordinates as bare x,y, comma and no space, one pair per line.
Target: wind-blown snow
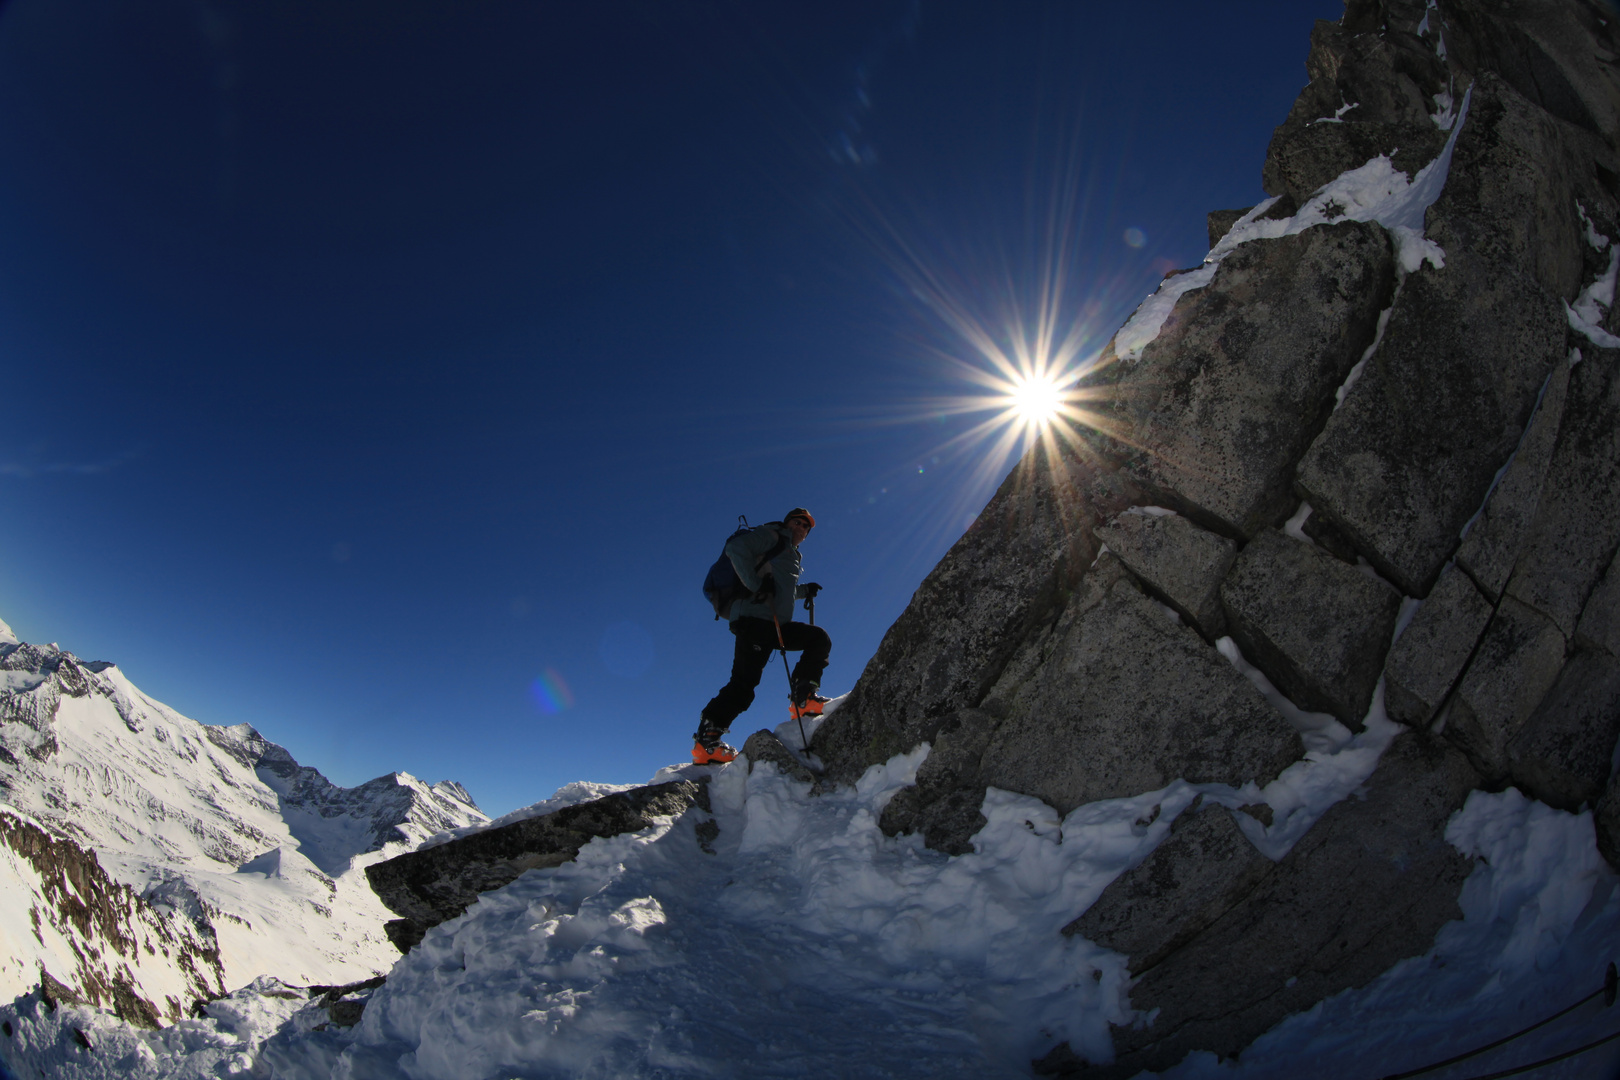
1587,312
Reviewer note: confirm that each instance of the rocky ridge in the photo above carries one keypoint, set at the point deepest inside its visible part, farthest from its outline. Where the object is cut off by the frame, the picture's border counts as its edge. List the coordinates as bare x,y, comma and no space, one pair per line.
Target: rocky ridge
1372,449
150,861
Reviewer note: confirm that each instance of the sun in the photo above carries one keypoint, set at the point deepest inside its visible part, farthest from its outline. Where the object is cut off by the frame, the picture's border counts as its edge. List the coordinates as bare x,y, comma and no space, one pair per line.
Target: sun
1035,399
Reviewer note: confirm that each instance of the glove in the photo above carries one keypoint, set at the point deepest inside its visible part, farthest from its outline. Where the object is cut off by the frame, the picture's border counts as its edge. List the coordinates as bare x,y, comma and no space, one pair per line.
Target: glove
767,589
810,589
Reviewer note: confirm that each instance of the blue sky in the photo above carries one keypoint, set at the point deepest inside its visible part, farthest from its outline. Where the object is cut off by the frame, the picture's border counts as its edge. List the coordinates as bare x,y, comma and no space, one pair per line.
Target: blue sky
386,375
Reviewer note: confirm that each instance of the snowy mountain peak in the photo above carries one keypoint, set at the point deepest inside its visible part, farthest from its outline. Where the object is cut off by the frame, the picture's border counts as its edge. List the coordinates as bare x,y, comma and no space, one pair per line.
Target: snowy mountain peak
218,826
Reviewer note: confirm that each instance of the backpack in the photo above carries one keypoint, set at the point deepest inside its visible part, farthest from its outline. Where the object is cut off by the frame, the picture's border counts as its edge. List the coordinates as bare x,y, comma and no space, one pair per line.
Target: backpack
721,586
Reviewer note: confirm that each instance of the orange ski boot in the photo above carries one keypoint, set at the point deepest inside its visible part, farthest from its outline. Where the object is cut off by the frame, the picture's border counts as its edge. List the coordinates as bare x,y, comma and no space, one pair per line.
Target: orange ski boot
707,749
810,705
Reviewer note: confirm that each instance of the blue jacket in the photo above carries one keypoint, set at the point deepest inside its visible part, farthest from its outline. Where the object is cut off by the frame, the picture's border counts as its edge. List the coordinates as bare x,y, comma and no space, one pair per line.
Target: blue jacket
745,552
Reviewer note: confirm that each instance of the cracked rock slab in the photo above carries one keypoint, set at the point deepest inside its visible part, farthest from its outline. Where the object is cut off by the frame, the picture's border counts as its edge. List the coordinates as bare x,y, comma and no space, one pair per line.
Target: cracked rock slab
1128,700
1204,867
1424,664
1563,753
1577,524
429,886
1369,885
1516,664
1241,377
1492,546
1317,627
1176,560
945,803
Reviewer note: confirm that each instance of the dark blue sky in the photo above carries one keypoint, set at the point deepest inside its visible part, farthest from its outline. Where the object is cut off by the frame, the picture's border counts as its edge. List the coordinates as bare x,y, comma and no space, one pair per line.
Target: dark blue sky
367,361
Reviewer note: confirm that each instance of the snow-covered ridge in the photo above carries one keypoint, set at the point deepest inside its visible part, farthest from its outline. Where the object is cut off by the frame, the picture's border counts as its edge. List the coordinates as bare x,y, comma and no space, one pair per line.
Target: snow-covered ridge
612,963
216,826
1376,191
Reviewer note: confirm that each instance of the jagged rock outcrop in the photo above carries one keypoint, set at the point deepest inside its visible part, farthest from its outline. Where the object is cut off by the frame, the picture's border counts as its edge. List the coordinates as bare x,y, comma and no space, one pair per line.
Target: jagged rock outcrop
430,886
1098,720
1492,546
1577,520
1563,753
1205,868
95,940
1407,460
1437,382
1379,88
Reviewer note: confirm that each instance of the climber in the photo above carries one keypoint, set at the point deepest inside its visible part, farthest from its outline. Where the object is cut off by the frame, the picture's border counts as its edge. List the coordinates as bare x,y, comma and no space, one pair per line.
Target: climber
766,562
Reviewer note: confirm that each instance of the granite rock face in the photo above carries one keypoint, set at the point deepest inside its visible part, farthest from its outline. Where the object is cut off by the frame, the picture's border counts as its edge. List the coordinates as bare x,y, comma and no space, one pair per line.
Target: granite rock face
1563,753
1001,583
1425,662
1032,663
1407,460
1198,874
434,884
1380,88
1493,545
944,803
1100,720
1577,523
1223,402
1085,712
1369,885
1514,667
1324,654
1177,561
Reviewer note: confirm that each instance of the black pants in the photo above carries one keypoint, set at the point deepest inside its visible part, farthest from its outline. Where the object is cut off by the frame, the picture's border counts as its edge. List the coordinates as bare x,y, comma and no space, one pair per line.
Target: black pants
756,640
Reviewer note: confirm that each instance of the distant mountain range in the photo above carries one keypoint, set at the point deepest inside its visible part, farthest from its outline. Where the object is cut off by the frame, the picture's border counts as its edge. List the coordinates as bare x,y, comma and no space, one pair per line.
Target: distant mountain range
148,861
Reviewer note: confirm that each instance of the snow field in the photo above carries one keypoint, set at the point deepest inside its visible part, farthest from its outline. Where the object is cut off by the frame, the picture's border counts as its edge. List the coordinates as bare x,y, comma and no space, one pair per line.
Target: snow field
811,944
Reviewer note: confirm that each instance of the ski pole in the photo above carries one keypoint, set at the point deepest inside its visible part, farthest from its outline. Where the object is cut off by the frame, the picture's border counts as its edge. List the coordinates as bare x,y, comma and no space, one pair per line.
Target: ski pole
804,740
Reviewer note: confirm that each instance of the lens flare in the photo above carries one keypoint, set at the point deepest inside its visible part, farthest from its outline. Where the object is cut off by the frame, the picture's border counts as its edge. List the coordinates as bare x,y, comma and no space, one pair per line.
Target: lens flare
1013,311
551,693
